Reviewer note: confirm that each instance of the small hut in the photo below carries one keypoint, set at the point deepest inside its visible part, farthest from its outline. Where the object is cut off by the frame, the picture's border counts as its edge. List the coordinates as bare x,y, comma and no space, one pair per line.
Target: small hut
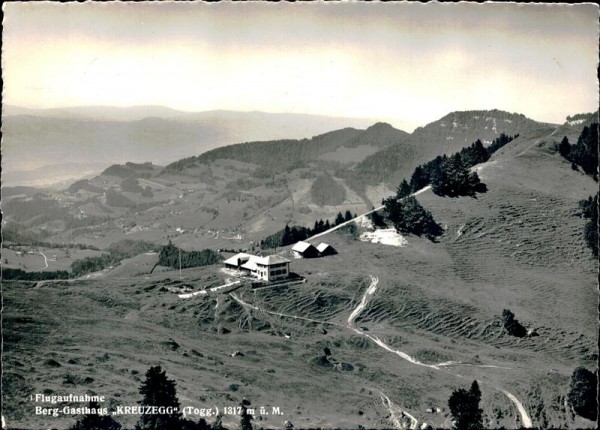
304,250
325,249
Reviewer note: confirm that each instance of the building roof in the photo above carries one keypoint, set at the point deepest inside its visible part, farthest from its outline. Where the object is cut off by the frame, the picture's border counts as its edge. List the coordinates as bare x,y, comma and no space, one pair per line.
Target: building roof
301,246
323,246
233,261
250,265
251,261
274,259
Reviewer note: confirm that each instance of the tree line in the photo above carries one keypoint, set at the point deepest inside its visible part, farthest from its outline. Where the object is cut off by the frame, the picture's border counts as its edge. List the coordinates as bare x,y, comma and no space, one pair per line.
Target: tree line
290,235
21,275
589,209
450,176
584,154
171,256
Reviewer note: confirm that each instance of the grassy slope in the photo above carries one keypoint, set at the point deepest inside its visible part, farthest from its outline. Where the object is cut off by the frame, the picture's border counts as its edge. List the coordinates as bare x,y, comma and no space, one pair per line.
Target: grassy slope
518,246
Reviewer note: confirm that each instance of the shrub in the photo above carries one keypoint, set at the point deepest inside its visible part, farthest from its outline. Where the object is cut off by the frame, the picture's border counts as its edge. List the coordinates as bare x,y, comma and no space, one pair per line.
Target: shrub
512,326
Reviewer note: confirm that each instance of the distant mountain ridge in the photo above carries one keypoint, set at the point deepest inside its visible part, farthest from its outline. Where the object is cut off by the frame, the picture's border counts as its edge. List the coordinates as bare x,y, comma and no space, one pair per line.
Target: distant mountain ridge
34,138
281,155
447,135
136,113
389,154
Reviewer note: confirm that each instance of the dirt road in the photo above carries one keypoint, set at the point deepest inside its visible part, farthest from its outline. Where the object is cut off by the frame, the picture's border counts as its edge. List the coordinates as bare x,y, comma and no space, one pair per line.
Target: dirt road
370,291
525,418
45,258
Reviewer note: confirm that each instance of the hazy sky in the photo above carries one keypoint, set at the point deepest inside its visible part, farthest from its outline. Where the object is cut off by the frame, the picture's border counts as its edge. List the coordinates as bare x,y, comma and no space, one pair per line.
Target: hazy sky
404,63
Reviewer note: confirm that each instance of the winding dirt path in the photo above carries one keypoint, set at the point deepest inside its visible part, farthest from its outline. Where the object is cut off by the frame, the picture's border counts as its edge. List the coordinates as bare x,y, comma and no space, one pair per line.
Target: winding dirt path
525,418
45,258
370,291
397,413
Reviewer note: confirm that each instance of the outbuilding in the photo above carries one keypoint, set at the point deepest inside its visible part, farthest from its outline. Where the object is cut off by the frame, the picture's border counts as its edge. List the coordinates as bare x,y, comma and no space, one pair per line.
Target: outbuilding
325,249
304,250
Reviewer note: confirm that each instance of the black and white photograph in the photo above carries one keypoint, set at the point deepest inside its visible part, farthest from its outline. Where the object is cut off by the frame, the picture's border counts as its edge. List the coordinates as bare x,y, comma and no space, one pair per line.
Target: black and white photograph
299,215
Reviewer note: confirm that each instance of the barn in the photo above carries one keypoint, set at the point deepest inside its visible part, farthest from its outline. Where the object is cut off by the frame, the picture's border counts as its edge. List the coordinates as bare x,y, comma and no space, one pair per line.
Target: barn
304,250
325,249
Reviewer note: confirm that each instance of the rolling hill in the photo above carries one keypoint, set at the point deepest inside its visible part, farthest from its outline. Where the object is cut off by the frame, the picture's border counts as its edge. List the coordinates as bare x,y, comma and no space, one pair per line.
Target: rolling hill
65,139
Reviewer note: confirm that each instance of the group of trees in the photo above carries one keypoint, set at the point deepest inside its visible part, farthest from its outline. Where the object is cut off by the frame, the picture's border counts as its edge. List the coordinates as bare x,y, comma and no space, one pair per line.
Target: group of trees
590,212
285,237
290,235
22,275
171,256
132,185
408,216
450,176
584,153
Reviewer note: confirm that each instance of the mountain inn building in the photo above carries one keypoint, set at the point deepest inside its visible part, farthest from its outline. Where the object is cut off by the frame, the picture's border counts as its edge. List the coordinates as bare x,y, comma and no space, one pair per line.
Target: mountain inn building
270,268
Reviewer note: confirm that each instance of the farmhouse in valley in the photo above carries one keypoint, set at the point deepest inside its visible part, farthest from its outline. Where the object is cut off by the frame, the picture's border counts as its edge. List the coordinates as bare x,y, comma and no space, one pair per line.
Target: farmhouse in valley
304,250
270,268
325,249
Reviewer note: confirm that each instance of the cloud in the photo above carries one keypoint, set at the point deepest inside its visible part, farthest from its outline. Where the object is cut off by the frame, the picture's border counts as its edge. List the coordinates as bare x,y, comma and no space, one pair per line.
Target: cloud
396,61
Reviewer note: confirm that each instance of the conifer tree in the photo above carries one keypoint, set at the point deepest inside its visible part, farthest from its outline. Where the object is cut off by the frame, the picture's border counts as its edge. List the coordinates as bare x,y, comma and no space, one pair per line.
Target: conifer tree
564,148
158,390
286,239
464,407
245,417
403,189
